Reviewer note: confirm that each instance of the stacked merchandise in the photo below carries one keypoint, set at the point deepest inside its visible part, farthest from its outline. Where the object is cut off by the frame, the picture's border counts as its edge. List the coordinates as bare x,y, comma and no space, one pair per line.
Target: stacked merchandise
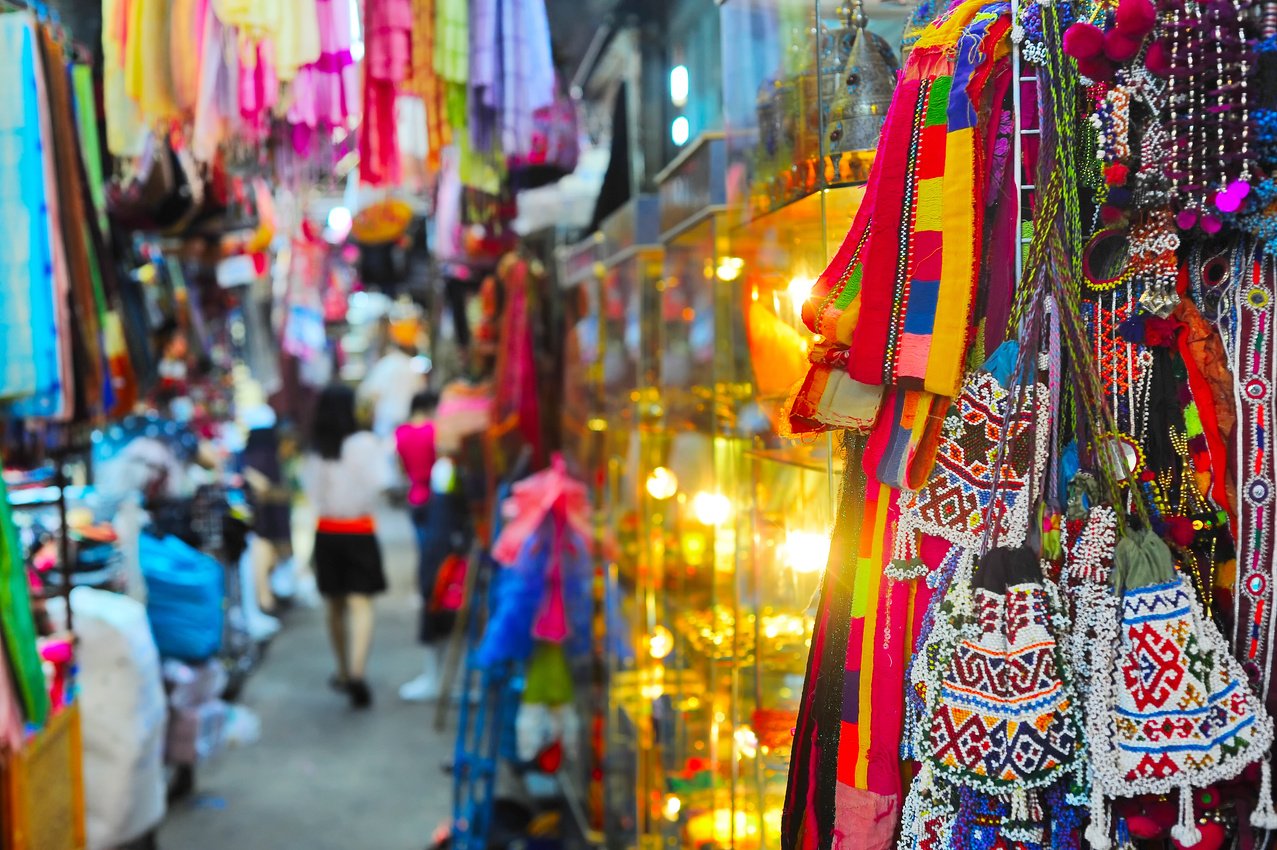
1047,616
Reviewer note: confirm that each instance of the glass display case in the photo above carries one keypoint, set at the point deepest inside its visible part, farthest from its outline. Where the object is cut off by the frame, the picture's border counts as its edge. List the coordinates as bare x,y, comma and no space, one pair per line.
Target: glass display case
735,515
612,280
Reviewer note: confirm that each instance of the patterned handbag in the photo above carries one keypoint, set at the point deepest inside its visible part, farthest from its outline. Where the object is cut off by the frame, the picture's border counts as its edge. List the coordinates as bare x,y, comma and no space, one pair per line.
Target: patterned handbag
1169,709
960,497
1004,718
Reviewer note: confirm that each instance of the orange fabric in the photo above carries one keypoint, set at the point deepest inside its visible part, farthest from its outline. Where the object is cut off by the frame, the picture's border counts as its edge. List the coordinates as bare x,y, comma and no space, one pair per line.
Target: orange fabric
358,525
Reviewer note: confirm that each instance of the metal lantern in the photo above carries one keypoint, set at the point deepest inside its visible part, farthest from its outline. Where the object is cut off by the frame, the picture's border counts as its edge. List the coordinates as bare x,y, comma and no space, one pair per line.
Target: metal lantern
867,83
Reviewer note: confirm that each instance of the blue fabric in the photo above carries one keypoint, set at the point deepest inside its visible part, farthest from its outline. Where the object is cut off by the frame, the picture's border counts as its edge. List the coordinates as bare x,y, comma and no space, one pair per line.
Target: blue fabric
46,398
24,252
185,591
518,595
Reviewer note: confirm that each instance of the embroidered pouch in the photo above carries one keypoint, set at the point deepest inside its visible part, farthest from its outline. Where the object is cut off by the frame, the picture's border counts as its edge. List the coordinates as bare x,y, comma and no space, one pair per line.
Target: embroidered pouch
958,500
1004,718
1170,708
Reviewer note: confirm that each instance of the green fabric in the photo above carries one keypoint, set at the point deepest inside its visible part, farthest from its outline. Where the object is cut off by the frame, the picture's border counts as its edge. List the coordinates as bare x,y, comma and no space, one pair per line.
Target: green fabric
1142,560
16,621
90,142
549,681
452,41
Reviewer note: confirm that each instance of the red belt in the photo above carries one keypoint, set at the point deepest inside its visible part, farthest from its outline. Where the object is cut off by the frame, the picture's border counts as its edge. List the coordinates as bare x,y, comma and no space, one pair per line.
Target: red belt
358,525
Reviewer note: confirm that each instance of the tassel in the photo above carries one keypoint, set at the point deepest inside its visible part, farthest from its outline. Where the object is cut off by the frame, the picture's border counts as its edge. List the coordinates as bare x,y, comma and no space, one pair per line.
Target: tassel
1097,834
1020,806
1186,831
1264,816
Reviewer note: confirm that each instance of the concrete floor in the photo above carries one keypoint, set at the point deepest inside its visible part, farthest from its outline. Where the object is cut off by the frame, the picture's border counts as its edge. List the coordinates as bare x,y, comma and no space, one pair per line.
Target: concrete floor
324,777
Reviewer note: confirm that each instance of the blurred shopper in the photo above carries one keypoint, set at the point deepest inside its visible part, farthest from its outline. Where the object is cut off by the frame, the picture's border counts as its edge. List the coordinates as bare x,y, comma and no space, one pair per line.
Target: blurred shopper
344,477
388,388
271,500
415,444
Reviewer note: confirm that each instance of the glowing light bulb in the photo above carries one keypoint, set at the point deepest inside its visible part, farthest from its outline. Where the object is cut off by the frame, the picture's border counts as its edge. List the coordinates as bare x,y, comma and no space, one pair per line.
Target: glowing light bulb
673,805
662,484
711,508
806,551
800,291
680,85
680,131
660,643
729,268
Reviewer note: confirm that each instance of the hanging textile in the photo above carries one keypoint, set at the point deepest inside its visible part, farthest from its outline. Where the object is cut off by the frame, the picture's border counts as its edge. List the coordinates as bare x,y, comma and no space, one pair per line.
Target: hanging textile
325,92
388,45
452,57
425,82
24,256
50,286
16,620
83,325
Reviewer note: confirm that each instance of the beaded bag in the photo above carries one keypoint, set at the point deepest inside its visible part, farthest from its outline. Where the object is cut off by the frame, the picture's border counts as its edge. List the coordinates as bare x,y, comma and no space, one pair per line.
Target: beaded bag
959,503
1169,707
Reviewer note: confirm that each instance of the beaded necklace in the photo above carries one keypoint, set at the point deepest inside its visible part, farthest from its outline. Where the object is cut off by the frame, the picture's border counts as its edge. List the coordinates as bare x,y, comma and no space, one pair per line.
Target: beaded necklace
1256,474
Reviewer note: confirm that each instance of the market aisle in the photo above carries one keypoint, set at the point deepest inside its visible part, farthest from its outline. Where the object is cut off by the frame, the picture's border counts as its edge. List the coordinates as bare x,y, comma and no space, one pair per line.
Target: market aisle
323,777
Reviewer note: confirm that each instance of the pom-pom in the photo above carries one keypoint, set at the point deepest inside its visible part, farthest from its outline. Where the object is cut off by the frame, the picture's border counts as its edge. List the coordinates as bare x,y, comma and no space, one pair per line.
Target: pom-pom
1116,174
1210,836
1110,214
1097,69
1180,530
1159,332
1157,60
1119,47
1083,41
1186,219
1211,224
1135,18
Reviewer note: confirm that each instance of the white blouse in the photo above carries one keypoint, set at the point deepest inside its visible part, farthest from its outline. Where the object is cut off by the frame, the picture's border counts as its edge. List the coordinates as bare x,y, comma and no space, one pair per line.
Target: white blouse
351,486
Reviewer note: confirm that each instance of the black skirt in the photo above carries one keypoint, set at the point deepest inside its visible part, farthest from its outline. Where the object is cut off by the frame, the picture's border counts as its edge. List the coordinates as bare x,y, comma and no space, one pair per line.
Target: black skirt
347,564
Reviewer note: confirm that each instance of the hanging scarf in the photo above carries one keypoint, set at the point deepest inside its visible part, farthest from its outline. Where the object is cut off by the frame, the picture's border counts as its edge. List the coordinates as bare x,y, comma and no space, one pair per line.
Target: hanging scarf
916,241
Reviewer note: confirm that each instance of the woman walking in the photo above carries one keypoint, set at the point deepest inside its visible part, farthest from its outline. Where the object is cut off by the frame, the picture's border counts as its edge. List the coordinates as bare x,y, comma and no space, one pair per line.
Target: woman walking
344,477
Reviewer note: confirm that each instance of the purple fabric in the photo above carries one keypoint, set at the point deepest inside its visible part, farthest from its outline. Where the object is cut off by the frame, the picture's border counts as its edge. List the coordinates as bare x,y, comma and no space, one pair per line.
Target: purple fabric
485,72
528,72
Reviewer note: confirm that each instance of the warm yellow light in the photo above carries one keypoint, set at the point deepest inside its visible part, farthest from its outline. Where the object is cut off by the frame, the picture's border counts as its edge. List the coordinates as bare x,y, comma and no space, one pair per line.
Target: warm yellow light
597,423
673,805
729,268
711,508
724,828
662,483
660,642
800,290
806,551
746,742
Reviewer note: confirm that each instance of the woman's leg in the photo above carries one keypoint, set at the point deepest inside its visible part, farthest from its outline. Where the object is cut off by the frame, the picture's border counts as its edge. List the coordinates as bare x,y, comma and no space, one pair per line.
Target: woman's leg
264,557
338,634
361,631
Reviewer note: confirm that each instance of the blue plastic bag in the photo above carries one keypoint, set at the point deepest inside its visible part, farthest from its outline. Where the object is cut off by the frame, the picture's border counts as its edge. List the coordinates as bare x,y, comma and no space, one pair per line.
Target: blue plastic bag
185,591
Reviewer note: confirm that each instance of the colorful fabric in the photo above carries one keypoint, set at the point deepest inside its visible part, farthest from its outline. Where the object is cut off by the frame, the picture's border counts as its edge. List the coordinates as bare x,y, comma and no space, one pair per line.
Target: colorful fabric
50,287
388,58
325,92
24,256
16,621
425,83
916,242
